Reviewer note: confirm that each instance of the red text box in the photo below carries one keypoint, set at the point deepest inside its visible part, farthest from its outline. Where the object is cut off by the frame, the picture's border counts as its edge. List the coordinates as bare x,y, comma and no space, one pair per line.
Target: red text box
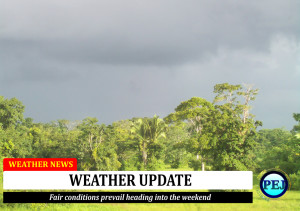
39,164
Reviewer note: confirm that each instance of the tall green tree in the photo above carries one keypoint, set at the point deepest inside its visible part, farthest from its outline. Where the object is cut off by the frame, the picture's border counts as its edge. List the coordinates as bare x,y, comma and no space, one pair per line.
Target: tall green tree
198,112
276,148
11,112
11,117
96,150
127,149
296,128
236,127
176,153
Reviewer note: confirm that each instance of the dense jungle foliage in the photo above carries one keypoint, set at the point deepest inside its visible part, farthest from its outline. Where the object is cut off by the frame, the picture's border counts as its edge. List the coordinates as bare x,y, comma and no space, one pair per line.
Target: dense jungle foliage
203,135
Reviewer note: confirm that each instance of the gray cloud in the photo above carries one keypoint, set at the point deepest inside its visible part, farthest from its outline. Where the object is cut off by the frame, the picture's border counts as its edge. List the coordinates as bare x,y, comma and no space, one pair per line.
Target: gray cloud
160,32
116,59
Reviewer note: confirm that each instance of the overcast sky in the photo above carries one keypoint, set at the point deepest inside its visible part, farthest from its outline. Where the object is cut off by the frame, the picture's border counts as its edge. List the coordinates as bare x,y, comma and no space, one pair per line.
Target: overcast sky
119,59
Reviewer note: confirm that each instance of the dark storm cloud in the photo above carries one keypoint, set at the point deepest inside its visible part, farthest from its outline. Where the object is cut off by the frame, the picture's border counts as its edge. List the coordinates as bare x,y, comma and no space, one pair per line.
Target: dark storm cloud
119,59
138,32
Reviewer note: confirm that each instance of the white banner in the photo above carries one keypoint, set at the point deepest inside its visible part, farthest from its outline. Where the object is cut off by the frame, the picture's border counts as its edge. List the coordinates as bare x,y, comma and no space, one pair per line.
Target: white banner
128,180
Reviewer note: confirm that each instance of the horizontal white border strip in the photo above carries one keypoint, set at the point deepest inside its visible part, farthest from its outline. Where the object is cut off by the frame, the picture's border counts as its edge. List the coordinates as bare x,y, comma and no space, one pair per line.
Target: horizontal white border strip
60,180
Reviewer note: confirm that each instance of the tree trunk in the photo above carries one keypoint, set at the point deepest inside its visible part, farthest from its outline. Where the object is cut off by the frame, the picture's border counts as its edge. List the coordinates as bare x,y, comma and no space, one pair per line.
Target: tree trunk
203,165
144,154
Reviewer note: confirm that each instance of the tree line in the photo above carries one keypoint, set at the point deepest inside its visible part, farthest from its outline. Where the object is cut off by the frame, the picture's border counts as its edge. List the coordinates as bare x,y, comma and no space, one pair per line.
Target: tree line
199,134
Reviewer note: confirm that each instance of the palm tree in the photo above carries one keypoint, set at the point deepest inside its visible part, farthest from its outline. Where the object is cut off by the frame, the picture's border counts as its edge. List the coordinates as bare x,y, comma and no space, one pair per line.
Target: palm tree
148,131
